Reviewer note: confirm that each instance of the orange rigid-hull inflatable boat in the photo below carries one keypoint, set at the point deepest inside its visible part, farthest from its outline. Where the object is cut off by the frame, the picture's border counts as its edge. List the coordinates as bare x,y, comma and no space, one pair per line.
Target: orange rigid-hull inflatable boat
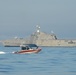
29,48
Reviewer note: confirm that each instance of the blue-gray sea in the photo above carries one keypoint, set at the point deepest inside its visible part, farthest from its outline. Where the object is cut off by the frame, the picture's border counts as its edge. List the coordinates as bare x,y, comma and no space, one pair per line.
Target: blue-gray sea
50,61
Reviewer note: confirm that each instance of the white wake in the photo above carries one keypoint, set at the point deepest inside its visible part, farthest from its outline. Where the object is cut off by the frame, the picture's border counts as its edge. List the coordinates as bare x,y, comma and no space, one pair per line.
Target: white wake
1,52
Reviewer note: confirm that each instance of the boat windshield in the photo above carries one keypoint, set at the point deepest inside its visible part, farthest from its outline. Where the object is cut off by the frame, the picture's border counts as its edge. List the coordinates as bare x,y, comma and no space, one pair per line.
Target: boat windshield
30,46
23,48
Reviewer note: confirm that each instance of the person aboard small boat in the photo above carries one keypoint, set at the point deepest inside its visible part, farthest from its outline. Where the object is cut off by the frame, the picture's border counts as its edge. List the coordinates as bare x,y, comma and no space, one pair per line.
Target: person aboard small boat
25,48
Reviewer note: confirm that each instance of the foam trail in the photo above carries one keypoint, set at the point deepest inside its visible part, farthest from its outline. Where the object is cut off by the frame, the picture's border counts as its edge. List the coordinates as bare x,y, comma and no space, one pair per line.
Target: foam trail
1,52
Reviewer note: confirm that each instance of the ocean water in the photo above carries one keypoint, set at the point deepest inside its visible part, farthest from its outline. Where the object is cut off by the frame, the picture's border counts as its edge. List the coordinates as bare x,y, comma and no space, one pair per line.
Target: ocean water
50,61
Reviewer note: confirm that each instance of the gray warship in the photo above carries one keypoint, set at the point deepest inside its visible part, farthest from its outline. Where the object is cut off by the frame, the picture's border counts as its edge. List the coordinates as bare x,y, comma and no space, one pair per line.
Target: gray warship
41,39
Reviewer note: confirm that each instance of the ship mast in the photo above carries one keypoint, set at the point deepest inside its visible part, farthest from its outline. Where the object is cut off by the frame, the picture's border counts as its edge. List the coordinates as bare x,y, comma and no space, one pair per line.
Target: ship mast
38,29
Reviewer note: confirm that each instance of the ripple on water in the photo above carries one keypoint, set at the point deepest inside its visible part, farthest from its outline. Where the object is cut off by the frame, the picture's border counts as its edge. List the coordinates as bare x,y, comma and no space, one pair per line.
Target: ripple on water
6,68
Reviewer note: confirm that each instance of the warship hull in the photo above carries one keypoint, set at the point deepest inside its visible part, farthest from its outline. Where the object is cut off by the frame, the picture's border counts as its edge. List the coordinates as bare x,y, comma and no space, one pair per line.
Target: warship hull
41,39
47,43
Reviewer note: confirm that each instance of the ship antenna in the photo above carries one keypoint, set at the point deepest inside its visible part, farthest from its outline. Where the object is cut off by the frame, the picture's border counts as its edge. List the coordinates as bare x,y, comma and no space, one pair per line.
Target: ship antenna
38,28
52,32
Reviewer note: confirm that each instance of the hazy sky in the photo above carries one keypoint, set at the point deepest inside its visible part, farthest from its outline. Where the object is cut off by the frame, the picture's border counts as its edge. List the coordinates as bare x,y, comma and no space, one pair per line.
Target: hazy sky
20,17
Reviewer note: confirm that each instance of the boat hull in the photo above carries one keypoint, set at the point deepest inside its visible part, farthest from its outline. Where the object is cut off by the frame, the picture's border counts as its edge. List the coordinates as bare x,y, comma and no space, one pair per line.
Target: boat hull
27,51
